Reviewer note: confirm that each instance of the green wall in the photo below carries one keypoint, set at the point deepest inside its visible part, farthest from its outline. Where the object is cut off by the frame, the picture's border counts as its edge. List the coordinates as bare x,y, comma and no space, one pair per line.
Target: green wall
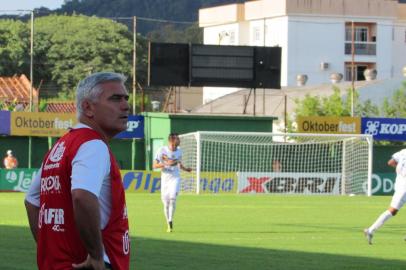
121,149
381,155
20,146
186,123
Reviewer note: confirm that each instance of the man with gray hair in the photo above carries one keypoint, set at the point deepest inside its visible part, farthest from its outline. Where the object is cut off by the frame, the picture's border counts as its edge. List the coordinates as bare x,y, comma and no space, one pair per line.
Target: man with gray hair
76,204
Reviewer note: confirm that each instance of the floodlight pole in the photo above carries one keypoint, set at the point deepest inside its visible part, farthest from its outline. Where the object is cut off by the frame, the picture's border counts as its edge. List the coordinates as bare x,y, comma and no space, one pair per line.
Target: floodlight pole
134,84
31,60
31,83
134,88
285,111
352,67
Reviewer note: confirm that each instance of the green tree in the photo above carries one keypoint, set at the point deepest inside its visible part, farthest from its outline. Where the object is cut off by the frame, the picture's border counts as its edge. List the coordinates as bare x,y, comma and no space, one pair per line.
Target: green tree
169,33
395,107
336,105
179,10
14,47
333,105
68,47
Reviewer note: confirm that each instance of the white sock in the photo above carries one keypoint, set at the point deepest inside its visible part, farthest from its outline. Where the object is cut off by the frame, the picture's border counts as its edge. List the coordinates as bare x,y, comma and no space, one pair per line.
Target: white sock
380,221
172,207
166,209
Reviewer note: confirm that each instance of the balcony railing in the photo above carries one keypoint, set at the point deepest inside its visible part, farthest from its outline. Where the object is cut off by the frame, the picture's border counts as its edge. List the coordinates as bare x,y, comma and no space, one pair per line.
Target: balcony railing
361,48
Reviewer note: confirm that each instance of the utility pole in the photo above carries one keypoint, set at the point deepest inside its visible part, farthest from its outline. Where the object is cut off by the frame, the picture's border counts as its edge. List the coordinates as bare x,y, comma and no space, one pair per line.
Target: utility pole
31,83
285,112
134,84
134,62
352,67
31,60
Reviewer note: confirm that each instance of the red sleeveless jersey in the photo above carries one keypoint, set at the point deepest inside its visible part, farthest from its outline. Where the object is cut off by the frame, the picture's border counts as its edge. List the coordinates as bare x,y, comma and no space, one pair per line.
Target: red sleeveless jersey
59,244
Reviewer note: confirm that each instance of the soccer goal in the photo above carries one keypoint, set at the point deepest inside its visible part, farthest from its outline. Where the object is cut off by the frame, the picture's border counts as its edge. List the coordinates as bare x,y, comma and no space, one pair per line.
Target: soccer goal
252,162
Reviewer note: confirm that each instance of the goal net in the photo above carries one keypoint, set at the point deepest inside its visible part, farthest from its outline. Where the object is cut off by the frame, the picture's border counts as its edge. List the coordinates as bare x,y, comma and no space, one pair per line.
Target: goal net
247,162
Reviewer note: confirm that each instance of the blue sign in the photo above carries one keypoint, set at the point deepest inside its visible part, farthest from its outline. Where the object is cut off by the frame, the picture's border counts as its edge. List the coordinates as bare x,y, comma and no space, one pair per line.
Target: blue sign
5,122
135,128
388,129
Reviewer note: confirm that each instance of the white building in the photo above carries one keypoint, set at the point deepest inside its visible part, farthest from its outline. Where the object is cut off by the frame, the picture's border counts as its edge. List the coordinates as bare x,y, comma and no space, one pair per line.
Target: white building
315,36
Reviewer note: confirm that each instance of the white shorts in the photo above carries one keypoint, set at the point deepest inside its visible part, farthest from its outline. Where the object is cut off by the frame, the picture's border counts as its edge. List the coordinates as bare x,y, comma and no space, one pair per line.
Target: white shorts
398,199
169,187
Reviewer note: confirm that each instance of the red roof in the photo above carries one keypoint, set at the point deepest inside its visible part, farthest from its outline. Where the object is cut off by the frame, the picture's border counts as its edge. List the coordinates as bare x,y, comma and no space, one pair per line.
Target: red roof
61,107
16,88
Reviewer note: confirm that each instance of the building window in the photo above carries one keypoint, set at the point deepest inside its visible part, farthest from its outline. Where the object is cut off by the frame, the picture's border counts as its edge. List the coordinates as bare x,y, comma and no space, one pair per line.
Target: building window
348,73
360,34
358,72
256,34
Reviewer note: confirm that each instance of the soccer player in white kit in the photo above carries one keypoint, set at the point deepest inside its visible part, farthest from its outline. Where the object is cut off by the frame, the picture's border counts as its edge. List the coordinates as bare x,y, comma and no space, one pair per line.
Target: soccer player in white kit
398,160
169,160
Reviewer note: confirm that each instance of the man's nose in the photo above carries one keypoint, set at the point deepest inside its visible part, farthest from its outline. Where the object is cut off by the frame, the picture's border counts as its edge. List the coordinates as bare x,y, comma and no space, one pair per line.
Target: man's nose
125,105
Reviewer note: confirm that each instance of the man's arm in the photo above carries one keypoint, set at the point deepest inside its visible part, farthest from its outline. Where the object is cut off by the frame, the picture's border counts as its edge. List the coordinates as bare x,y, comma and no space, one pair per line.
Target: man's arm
32,203
86,186
184,168
157,165
87,217
32,213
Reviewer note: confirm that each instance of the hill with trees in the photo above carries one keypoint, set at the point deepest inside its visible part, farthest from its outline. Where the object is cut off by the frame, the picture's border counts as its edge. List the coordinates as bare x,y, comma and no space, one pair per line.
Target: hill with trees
160,20
179,10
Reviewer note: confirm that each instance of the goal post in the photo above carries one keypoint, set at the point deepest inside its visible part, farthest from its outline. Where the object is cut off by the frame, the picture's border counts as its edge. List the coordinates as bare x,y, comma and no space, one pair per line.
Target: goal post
275,163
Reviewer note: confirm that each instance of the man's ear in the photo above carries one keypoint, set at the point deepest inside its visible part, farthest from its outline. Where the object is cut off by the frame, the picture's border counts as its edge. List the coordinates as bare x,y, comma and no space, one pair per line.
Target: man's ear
88,108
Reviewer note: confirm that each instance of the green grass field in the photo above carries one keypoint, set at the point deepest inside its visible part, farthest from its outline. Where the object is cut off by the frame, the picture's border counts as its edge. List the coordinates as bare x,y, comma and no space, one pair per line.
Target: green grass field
236,232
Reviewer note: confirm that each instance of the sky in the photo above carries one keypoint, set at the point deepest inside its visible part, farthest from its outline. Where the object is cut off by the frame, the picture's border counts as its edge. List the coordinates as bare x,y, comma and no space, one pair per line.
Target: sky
29,4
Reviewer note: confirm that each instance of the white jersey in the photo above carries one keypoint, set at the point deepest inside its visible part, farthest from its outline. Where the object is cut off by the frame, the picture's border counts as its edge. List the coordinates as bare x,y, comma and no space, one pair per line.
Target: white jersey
170,175
400,158
163,154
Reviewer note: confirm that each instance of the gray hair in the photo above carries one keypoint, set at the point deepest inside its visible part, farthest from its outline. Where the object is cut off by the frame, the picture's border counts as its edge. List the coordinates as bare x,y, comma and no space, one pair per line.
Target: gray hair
88,88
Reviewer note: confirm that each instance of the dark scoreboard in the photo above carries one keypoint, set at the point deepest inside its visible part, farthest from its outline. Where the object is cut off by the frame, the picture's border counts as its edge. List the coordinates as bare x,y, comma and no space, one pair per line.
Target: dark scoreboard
212,65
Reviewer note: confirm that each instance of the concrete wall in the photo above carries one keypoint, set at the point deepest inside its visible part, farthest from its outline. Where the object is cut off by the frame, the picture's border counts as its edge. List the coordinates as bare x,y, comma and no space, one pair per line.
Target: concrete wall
384,52
399,49
312,32
309,44
277,35
221,15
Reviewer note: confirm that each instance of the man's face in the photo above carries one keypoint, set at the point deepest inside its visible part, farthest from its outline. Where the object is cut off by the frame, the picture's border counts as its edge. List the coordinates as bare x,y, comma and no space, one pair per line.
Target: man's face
111,109
173,142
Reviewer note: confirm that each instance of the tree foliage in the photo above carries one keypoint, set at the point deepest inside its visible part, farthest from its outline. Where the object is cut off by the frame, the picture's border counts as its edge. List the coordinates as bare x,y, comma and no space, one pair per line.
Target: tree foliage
153,16
14,47
395,107
169,33
334,105
177,10
66,48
